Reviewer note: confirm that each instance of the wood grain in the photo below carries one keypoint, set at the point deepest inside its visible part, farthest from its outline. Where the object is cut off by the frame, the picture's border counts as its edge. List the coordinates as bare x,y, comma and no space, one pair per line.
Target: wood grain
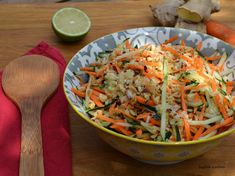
91,156
29,81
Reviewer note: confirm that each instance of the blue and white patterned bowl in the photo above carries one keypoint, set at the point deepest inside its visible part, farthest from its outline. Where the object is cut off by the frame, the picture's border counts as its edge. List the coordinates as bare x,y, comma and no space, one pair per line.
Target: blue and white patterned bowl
147,151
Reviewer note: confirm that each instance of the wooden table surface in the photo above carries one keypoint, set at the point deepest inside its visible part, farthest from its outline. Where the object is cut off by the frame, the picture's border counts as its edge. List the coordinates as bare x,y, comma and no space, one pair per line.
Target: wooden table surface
23,26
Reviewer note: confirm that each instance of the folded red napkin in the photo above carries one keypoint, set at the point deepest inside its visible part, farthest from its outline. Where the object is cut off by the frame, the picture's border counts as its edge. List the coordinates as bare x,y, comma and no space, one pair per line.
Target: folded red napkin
55,127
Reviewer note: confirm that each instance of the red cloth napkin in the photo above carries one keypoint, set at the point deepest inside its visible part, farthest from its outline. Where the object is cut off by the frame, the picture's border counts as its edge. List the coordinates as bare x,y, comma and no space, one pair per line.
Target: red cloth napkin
55,127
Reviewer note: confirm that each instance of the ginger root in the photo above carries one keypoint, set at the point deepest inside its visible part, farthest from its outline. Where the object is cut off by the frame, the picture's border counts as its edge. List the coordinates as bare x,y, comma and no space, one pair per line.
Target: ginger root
198,10
189,14
166,13
201,27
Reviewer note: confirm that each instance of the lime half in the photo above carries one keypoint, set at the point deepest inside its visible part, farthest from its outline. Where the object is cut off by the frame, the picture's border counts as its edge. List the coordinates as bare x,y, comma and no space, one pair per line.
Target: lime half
70,24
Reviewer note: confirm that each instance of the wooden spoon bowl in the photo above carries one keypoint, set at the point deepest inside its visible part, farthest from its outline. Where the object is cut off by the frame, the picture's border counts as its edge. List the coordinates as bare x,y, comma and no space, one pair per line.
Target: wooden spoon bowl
29,81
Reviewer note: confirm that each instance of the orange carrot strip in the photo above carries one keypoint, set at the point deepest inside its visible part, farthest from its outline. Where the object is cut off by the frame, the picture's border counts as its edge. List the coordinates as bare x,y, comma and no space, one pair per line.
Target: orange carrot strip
183,101
221,106
182,42
229,89
143,116
172,39
175,52
117,68
144,101
155,122
96,100
104,118
213,58
78,93
187,129
198,133
199,46
127,44
216,126
147,53
156,74
232,103
86,69
196,97
117,52
101,72
124,113
111,109
121,129
230,83
213,85
135,67
149,63
98,90
139,132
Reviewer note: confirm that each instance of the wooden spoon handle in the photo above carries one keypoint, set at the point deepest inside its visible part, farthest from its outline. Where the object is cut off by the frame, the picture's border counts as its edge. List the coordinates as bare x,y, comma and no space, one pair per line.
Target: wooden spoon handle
31,156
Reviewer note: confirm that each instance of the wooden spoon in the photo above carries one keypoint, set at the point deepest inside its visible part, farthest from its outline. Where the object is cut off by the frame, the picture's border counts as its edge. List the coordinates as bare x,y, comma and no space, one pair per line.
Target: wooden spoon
29,81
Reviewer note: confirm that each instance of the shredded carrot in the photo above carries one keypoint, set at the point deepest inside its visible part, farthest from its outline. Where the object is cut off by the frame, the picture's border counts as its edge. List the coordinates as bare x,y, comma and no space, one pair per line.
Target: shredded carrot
182,42
229,89
121,129
198,133
147,53
213,58
221,106
99,90
196,97
86,69
172,39
117,68
213,85
143,116
135,67
101,72
230,83
139,132
155,122
124,113
104,118
144,101
127,44
153,64
78,93
216,126
111,109
174,52
187,129
158,75
96,100
199,46
183,101
117,53
232,103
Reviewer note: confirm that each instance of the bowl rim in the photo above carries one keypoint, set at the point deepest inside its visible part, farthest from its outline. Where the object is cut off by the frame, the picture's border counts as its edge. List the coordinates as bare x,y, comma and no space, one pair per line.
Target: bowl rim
106,130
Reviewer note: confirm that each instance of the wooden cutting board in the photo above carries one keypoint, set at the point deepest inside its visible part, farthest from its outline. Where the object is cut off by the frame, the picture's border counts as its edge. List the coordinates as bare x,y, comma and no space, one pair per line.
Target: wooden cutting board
23,26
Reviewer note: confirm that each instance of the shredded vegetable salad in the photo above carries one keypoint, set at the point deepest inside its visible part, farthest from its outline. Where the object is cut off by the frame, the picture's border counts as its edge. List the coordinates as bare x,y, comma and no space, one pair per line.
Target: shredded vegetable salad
159,93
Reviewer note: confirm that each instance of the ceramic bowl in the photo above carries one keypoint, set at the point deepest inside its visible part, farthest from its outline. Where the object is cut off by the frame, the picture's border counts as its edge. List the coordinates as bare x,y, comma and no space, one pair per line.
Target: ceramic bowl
147,151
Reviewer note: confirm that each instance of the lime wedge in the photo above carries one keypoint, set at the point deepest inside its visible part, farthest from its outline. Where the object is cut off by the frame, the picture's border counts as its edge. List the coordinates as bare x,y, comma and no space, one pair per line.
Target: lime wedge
70,24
